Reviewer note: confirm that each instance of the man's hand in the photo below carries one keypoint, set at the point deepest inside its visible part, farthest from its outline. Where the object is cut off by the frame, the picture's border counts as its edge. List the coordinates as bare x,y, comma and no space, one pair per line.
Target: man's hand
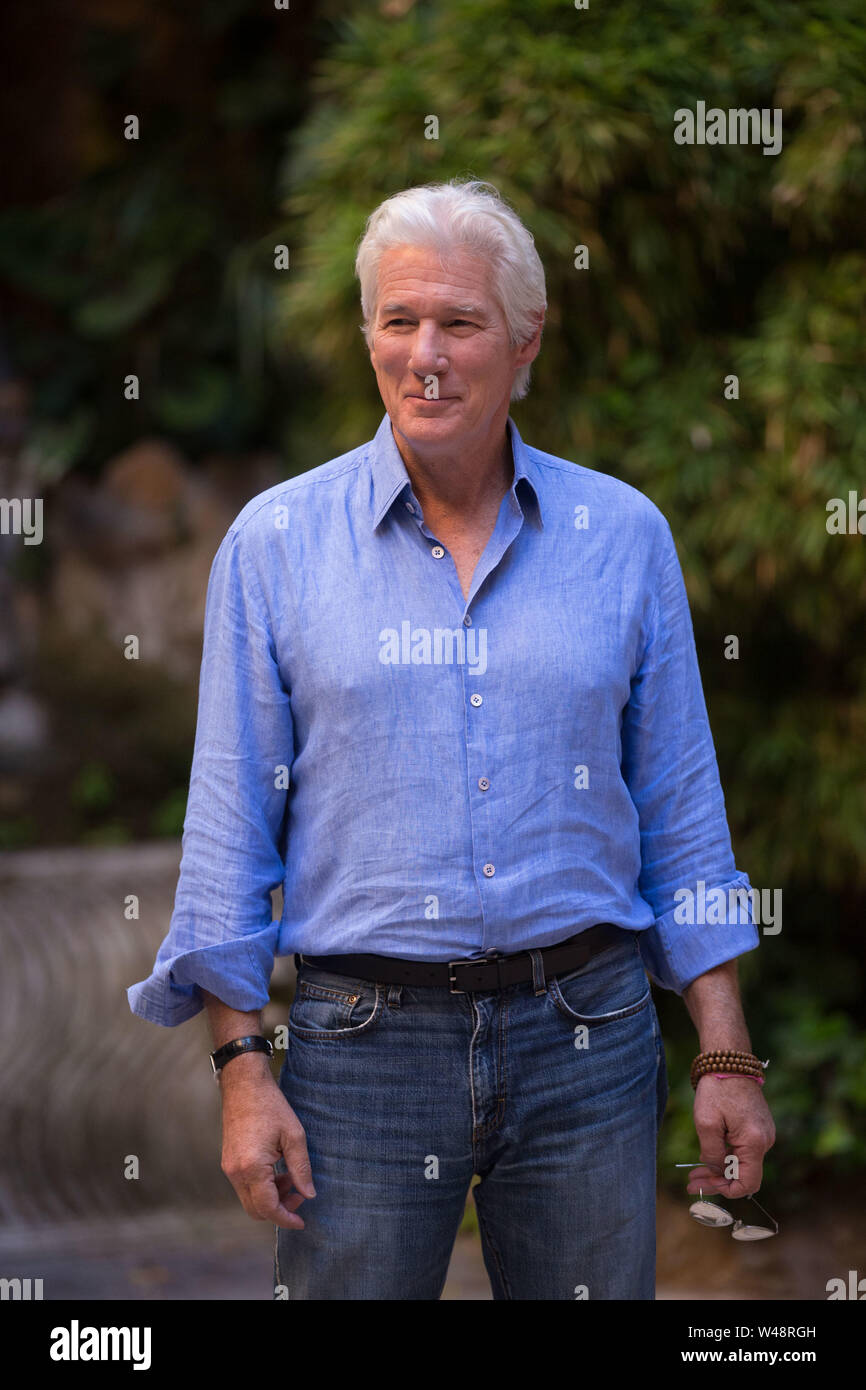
731,1117
259,1128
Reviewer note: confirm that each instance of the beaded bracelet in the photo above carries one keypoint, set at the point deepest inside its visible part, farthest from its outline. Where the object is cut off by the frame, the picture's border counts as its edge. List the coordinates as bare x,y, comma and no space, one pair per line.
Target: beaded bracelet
729,1062
723,1068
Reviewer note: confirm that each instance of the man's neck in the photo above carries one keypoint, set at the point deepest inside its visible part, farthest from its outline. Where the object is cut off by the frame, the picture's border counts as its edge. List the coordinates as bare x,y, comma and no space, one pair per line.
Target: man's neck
464,486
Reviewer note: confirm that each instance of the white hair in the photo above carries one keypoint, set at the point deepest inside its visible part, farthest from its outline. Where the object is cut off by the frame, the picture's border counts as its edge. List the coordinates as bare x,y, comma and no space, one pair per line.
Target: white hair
467,215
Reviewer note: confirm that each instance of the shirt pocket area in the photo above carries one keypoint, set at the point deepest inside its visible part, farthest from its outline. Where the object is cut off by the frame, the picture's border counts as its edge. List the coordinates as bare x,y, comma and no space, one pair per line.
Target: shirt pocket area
613,985
328,1006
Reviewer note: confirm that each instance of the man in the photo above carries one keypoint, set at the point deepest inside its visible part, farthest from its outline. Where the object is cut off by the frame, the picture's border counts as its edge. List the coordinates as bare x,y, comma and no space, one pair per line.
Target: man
450,700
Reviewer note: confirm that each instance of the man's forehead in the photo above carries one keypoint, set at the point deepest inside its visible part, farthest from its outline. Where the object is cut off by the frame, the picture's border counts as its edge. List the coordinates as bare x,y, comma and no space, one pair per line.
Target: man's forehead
414,280
398,306
463,272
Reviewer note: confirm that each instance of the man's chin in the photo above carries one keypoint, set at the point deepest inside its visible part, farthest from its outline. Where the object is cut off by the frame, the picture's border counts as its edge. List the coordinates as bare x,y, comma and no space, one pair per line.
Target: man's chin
428,431
427,424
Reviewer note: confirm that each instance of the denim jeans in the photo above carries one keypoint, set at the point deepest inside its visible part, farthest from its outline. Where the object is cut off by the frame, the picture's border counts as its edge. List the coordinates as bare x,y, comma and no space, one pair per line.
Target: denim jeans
554,1099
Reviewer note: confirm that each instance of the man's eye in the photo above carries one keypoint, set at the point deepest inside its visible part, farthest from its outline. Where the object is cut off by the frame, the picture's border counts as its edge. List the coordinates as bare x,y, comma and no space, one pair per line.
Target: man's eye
464,323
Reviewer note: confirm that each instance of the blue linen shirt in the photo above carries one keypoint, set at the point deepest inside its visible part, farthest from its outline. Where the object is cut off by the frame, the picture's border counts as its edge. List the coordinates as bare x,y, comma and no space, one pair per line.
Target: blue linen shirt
432,776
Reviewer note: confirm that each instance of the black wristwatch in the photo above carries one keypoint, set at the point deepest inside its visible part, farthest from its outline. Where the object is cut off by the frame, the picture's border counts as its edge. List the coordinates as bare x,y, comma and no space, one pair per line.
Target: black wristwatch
224,1054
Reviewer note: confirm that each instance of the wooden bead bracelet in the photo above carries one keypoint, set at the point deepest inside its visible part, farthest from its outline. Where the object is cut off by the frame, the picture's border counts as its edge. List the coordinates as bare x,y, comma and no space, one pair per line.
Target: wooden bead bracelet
727,1063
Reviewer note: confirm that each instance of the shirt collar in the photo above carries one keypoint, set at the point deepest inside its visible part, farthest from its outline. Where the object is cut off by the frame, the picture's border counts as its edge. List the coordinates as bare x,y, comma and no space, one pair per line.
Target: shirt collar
390,480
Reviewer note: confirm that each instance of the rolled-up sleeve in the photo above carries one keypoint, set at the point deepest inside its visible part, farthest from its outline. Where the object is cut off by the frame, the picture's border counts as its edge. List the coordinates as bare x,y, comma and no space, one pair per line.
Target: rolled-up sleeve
669,765
221,936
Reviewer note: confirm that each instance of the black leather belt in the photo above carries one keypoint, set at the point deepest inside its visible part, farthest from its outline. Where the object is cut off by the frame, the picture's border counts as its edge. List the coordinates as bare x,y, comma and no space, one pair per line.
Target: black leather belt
481,973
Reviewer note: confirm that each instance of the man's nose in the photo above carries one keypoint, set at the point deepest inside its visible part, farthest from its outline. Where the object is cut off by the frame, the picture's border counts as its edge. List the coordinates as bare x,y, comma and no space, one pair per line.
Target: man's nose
427,354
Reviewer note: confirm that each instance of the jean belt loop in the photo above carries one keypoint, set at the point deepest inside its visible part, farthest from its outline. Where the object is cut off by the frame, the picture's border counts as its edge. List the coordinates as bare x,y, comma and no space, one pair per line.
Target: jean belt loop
395,996
538,984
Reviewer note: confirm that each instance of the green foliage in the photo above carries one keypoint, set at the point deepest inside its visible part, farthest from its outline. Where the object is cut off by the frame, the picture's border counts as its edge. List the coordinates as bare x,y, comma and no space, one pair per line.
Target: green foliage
123,734
149,258
93,788
17,833
167,819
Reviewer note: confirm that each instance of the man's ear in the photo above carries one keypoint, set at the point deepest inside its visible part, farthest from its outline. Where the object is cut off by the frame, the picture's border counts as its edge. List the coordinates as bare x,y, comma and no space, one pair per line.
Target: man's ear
531,348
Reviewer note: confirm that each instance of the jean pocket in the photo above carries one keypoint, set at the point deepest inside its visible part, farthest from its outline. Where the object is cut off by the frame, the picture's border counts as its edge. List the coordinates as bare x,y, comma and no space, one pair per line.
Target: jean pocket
611,986
328,1006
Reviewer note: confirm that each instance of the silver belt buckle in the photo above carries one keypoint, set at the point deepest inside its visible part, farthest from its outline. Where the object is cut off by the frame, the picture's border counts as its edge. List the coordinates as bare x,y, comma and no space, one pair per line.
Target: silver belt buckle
479,960
451,979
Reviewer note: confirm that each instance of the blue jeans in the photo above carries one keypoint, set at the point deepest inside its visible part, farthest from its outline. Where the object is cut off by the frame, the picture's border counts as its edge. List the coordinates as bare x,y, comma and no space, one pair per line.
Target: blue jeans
554,1099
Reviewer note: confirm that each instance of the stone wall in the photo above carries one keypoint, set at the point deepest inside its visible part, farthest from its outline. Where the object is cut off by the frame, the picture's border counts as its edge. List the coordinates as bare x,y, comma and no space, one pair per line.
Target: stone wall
85,1083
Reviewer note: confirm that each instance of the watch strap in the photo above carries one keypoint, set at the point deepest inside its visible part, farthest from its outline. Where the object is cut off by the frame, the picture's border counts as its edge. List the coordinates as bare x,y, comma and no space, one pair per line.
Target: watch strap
253,1043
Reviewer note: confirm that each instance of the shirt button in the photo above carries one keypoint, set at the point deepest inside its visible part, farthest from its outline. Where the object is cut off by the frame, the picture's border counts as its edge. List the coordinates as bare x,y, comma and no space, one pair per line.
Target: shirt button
467,621
409,507
483,783
488,871
437,551
475,699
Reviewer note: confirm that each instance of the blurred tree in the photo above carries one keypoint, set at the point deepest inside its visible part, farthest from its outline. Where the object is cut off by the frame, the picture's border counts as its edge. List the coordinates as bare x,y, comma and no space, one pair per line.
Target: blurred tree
145,256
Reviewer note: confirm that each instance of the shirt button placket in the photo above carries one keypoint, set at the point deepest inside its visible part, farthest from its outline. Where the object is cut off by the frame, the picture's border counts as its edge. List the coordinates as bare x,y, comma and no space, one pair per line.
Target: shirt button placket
475,699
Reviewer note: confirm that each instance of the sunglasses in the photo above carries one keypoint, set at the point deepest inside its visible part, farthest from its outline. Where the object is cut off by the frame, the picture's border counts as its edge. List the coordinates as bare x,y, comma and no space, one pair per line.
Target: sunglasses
708,1213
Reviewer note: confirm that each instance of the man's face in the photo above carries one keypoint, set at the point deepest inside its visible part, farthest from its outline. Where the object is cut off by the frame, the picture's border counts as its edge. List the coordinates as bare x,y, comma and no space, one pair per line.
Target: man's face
446,324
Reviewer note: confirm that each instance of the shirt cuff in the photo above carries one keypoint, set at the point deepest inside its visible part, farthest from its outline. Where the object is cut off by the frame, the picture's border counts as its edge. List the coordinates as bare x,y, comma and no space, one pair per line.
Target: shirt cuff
675,953
238,972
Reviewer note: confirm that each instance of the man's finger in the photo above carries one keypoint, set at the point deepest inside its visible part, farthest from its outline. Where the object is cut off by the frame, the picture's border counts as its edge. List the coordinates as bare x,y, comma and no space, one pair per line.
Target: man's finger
702,1176
263,1203
745,1177
711,1138
293,1143
290,1199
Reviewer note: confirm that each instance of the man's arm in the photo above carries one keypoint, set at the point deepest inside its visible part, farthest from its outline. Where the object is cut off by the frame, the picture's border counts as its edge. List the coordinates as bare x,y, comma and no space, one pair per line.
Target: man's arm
669,765
258,1126
713,1002
731,1116
222,937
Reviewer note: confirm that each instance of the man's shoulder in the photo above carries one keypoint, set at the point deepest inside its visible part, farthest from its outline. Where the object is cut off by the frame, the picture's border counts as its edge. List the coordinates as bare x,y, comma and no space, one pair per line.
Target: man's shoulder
312,489
589,485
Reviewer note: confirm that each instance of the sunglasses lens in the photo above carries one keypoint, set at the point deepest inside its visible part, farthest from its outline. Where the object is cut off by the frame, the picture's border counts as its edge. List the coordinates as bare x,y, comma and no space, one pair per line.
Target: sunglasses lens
741,1232
708,1214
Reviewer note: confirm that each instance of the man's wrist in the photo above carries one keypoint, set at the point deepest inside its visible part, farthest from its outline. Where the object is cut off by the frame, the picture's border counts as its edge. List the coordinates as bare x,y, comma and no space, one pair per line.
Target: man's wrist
245,1067
735,1041
728,1076
713,1001
227,1025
